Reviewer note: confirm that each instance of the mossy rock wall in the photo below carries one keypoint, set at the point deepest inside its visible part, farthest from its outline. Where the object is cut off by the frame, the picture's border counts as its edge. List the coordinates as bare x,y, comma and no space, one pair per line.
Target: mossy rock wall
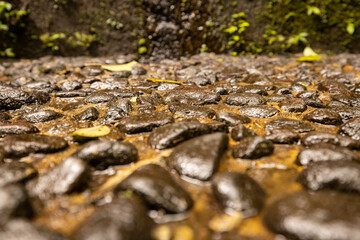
174,28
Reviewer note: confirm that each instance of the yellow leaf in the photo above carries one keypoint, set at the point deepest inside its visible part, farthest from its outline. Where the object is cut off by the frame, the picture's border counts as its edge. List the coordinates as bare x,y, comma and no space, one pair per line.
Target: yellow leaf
120,67
163,81
92,132
309,56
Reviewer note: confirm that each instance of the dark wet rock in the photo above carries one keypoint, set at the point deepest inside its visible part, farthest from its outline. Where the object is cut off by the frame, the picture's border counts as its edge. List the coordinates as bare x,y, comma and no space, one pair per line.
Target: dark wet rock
72,106
20,229
336,104
314,102
283,91
11,98
253,148
40,97
4,117
240,132
293,105
191,95
186,110
313,138
282,136
217,126
167,86
325,152
319,216
346,113
114,114
199,81
41,116
158,188
256,77
44,86
23,145
174,133
102,154
143,122
323,116
122,104
239,192
255,89
259,111
90,114
350,128
138,71
124,218
146,109
232,118
70,175
335,175
16,172
297,87
145,86
277,98
153,99
122,74
332,86
221,90
99,97
14,203
71,85
95,72
308,94
71,94
199,158
292,124
245,99
19,127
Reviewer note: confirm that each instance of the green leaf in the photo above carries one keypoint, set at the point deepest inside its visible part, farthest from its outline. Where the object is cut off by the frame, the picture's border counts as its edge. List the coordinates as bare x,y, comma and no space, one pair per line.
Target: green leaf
309,56
92,132
9,52
4,27
350,28
313,10
120,67
142,50
231,29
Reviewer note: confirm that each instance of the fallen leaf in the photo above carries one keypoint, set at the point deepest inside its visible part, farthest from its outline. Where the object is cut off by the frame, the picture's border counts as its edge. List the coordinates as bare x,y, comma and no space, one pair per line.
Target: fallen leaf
92,132
163,81
309,56
120,67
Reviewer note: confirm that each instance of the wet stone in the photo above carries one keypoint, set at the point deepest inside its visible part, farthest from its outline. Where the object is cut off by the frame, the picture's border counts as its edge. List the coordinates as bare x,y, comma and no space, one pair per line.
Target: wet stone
313,138
282,136
114,114
71,85
14,203
293,105
199,158
11,98
217,126
19,127
159,189
41,116
16,172
319,216
254,89
245,99
39,85
314,102
332,86
325,152
240,132
335,175
239,192
40,97
153,99
297,87
121,104
171,134
70,175
122,74
143,122
191,95
275,98
186,110
124,218
99,97
4,117
346,113
71,94
20,229
102,154
232,119
199,81
256,77
296,125
23,145
138,71
350,128
90,114
146,109
253,148
73,105
283,91
259,111
324,116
